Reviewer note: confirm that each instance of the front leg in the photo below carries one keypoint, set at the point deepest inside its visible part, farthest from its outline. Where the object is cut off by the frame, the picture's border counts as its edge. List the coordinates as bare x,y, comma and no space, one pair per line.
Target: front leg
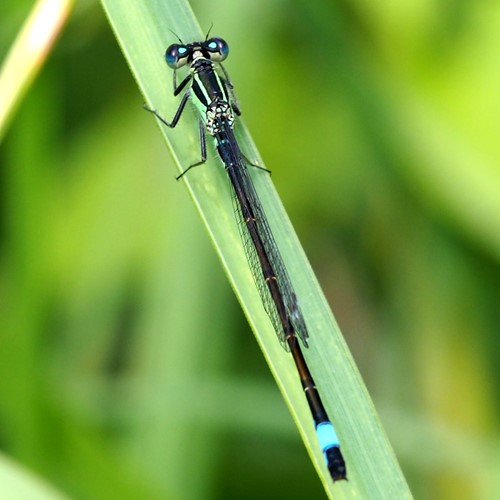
177,115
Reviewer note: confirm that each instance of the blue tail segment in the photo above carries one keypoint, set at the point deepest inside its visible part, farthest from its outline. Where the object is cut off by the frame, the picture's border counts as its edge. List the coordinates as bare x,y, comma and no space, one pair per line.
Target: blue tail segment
330,446
327,436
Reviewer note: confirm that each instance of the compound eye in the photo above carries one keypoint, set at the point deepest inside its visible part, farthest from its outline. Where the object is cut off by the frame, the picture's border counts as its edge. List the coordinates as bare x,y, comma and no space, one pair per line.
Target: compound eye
218,49
176,55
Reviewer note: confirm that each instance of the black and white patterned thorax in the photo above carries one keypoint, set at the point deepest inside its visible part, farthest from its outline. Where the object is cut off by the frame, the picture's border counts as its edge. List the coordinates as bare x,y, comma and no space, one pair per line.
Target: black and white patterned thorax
218,113
210,95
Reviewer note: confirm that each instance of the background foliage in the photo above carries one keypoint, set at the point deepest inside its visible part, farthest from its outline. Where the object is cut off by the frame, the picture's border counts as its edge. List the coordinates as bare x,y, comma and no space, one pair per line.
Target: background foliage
113,303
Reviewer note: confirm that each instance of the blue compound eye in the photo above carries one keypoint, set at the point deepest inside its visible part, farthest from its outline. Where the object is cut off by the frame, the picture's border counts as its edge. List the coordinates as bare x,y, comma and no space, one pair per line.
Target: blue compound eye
176,55
218,49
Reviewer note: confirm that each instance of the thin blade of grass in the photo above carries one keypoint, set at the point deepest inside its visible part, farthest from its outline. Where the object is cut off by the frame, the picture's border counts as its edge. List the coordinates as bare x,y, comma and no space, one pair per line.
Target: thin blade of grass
29,52
144,30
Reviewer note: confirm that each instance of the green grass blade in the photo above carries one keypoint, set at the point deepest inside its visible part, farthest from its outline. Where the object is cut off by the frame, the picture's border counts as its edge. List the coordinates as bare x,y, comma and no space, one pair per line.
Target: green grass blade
18,482
28,53
144,30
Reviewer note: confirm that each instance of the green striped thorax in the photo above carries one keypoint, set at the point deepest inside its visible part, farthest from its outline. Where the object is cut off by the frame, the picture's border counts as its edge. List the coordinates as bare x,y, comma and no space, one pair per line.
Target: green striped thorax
208,90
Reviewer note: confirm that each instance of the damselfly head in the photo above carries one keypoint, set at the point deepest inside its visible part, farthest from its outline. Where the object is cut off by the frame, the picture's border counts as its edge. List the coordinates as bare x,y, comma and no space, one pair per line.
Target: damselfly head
178,55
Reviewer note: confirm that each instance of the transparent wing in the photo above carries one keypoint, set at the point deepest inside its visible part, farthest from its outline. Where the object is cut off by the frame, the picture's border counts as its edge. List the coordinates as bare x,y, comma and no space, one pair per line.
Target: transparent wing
256,235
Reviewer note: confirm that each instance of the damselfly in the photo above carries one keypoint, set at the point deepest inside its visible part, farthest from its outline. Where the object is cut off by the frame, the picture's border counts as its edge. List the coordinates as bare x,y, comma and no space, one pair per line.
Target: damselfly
212,93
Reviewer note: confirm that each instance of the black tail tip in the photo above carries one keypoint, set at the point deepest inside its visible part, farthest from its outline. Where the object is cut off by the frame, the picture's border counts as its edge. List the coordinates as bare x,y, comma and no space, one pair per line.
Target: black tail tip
336,464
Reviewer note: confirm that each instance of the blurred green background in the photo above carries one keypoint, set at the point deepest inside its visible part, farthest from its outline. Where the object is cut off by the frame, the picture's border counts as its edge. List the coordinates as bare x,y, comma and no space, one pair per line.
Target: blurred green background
127,369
